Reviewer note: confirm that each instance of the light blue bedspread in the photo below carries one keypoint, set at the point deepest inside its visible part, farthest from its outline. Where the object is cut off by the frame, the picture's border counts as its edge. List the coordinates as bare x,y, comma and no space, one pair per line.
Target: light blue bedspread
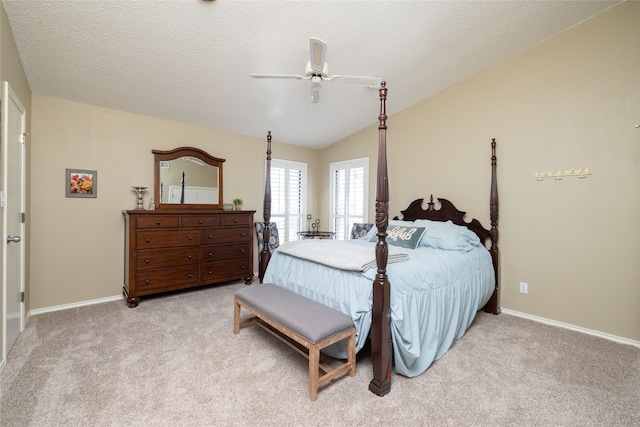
435,296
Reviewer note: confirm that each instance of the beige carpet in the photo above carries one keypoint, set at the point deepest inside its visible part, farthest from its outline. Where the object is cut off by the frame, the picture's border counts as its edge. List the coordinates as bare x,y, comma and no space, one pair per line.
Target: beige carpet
174,361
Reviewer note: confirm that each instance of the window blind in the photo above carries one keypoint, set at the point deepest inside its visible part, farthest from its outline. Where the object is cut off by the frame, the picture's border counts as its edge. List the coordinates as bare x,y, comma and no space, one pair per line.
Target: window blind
349,195
288,197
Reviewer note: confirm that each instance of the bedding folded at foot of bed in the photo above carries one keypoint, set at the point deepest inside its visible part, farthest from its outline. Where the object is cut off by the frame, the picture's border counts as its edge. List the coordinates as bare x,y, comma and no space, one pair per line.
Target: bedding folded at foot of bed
340,254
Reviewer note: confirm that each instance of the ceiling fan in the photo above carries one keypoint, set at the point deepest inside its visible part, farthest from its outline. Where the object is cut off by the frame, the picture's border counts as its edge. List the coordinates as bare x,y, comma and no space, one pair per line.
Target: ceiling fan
317,70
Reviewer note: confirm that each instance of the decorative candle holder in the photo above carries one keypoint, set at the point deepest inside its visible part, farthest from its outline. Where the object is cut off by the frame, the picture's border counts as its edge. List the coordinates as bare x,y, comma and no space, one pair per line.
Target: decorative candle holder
140,200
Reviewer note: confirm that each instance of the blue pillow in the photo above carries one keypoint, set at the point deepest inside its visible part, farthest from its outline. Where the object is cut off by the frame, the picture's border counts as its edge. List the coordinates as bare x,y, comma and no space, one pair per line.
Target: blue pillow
447,236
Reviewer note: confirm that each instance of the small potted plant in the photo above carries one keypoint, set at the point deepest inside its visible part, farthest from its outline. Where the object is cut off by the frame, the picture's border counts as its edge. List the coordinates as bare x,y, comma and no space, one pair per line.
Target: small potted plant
237,204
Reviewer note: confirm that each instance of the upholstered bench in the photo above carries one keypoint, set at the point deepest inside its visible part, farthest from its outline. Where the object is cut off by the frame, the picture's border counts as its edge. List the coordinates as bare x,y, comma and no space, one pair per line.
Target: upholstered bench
310,324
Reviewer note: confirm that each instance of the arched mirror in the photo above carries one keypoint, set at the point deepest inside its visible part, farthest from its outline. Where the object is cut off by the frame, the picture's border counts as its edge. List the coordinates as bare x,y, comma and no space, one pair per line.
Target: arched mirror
187,178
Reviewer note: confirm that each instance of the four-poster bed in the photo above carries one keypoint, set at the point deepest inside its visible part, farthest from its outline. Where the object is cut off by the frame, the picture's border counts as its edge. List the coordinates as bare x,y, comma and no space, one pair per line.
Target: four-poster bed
386,316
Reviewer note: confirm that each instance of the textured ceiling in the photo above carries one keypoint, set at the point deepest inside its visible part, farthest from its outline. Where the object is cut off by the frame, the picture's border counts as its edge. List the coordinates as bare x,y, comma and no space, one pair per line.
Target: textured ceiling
190,60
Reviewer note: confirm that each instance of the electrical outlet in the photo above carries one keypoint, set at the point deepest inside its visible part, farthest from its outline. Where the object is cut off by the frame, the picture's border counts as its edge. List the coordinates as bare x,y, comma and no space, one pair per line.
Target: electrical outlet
524,288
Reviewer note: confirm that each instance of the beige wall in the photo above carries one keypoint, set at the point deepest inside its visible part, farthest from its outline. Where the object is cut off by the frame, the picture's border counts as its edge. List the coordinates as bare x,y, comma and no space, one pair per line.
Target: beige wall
77,244
571,102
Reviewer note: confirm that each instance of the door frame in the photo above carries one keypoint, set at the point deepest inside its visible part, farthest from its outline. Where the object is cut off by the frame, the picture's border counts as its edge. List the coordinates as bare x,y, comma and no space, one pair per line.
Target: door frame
9,96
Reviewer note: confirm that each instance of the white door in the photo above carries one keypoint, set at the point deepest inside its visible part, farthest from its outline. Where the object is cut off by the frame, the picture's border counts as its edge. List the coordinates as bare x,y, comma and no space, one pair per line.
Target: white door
13,203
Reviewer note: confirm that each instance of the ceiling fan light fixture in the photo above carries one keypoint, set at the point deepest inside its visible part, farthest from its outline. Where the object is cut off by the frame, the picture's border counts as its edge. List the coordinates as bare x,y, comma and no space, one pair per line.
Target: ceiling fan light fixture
310,71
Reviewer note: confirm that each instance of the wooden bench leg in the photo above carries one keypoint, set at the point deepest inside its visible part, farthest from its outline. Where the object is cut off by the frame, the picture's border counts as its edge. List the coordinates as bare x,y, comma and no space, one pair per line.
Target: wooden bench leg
314,372
236,316
351,353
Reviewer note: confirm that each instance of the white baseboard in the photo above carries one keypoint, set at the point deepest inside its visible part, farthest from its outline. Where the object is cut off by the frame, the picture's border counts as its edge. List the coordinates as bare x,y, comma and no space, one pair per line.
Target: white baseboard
74,305
572,327
504,310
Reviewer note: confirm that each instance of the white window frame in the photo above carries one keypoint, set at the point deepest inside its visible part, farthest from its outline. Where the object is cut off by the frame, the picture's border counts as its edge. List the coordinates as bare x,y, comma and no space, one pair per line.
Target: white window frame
289,223
341,223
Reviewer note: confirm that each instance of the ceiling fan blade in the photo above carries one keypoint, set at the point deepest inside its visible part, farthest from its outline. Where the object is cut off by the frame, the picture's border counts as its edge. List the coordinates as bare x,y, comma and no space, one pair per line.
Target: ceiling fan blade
315,94
317,54
367,81
277,76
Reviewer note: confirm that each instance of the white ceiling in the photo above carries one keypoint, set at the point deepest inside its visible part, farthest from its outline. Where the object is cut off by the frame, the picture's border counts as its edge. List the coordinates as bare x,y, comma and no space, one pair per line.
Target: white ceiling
190,60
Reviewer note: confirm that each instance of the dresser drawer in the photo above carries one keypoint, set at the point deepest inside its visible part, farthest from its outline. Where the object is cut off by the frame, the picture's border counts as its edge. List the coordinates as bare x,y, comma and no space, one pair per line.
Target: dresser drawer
213,272
225,235
199,221
237,219
157,221
166,239
152,260
165,280
224,252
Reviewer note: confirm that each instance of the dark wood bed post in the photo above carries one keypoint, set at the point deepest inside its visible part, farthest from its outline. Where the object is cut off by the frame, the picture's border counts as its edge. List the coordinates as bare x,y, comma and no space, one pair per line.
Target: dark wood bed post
265,254
381,346
493,306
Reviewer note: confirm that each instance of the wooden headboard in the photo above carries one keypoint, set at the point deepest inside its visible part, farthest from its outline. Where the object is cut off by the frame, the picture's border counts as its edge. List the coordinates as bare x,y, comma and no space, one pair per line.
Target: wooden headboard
446,212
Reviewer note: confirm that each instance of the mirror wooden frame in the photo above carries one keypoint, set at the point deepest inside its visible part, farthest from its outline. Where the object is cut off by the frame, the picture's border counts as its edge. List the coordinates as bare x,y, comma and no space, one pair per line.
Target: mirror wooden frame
160,156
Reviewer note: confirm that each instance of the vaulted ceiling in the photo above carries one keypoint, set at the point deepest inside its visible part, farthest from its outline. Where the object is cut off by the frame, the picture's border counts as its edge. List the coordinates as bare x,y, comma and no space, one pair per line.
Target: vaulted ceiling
190,60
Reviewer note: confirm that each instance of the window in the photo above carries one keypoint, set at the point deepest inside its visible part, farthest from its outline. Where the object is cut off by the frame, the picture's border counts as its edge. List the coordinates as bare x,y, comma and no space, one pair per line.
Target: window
288,197
349,195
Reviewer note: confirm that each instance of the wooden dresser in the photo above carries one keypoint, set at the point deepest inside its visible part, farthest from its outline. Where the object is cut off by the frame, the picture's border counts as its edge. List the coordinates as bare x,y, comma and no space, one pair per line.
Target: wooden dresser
167,250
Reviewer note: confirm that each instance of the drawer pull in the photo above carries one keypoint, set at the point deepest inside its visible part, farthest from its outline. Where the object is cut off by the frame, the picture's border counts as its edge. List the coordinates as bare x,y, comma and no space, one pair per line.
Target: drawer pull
147,261
243,267
189,275
190,238
147,240
158,222
210,236
189,257
243,234
200,221
210,272
146,281
242,251
210,254
235,219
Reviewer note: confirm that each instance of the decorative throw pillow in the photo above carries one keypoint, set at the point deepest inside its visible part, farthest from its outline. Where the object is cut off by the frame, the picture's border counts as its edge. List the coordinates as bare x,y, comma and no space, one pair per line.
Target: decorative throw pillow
360,230
404,236
371,234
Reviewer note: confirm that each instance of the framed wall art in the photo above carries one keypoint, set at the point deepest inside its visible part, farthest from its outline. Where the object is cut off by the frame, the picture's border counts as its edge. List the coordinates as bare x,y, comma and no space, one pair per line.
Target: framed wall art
81,183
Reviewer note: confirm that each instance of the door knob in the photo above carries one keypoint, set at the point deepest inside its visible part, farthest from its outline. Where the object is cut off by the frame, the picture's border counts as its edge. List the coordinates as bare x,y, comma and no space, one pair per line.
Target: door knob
14,239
